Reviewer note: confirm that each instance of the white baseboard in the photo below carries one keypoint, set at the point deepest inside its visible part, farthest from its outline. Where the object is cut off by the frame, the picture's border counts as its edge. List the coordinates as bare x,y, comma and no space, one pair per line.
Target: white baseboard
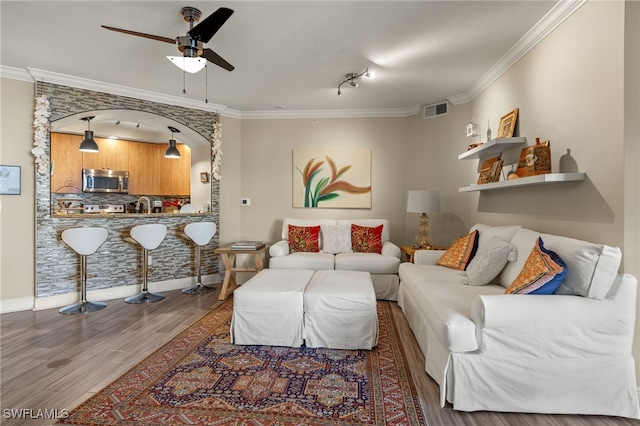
39,303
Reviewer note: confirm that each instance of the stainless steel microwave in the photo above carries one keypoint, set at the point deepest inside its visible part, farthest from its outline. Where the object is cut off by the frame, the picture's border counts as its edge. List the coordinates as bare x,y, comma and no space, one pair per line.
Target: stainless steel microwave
96,180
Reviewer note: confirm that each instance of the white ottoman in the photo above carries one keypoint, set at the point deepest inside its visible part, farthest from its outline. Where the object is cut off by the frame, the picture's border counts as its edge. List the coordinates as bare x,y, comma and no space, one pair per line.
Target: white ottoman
268,309
340,311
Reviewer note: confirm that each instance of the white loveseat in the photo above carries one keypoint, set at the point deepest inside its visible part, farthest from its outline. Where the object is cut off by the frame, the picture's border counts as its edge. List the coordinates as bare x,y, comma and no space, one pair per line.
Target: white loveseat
561,353
336,253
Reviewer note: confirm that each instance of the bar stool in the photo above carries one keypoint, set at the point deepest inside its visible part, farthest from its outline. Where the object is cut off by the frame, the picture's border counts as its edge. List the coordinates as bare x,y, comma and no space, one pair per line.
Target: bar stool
200,233
84,241
149,236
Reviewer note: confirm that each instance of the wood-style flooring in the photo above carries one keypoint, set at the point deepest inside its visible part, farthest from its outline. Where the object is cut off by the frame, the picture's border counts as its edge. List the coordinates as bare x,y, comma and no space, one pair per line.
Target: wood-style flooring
51,361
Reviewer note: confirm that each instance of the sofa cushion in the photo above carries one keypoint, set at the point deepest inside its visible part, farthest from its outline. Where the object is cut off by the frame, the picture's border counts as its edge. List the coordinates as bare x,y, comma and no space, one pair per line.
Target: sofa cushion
592,268
303,222
368,262
304,238
543,272
487,264
445,303
336,238
461,252
365,239
302,260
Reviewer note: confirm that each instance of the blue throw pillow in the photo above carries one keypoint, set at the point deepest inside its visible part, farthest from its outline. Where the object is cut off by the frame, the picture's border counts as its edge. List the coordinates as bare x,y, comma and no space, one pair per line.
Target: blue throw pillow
542,273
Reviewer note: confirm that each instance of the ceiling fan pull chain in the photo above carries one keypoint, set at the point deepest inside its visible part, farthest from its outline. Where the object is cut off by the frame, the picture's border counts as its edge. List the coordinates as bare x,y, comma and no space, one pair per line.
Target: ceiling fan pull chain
184,84
206,84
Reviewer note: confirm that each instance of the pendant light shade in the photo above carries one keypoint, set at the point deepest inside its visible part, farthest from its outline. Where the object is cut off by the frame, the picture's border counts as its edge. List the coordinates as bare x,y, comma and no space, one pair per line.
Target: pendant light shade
172,151
185,63
88,144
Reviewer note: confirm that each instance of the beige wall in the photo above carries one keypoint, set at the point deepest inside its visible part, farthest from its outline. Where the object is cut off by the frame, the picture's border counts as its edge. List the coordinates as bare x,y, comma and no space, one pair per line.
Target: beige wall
267,174
17,212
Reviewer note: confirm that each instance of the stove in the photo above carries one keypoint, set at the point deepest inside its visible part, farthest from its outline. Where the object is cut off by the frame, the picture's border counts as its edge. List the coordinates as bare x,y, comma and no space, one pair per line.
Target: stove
103,208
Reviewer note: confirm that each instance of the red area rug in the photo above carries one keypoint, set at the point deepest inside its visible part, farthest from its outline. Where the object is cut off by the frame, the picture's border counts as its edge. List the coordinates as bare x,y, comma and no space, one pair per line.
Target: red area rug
199,378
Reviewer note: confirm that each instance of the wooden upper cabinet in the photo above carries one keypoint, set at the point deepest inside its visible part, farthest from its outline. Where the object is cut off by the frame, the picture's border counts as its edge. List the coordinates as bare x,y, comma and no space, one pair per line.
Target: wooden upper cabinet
113,155
66,162
174,174
142,168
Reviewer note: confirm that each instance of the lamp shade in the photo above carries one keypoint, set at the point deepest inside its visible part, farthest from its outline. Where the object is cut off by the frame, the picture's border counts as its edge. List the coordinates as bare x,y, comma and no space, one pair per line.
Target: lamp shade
188,64
423,201
172,151
88,144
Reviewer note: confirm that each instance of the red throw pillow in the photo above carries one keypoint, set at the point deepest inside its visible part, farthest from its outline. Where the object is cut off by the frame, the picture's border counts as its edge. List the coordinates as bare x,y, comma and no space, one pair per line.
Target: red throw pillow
365,239
304,238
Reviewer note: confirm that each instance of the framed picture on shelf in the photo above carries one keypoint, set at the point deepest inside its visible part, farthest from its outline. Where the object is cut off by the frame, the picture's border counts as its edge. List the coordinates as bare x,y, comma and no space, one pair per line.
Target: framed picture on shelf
507,124
10,180
490,170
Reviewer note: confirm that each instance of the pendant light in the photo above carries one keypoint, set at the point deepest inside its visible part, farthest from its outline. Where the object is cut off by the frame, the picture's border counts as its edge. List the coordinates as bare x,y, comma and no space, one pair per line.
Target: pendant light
88,144
172,151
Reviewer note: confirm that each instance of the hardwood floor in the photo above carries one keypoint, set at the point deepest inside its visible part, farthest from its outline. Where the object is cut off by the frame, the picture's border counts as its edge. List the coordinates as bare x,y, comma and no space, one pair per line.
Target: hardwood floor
51,361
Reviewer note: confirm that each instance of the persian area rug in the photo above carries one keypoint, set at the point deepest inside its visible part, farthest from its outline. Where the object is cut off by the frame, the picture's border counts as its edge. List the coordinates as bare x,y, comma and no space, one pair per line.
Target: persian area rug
199,378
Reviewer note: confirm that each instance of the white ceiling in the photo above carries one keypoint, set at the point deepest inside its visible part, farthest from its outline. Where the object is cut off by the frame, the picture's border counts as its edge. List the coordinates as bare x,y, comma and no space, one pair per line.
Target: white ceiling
289,56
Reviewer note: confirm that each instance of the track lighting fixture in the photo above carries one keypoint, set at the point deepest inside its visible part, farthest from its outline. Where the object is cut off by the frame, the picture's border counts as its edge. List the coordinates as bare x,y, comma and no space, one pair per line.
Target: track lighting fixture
353,79
88,144
172,151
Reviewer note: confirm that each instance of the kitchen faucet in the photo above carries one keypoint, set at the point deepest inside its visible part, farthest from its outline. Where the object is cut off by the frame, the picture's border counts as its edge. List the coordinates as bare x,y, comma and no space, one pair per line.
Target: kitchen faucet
143,198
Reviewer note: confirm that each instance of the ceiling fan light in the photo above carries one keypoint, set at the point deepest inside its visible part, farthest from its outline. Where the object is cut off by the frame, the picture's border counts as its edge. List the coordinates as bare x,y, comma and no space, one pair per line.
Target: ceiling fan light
191,65
172,151
88,144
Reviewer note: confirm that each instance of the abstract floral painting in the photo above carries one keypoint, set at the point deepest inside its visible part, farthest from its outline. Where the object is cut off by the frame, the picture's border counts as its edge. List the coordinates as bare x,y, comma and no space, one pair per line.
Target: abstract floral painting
332,178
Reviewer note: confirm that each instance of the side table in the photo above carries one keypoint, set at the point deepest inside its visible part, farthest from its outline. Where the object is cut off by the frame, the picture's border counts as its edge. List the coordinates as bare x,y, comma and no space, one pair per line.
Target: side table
228,256
409,251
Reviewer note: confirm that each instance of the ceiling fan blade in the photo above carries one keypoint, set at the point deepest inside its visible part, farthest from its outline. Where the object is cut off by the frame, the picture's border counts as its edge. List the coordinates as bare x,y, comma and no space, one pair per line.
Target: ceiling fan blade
135,33
207,28
213,57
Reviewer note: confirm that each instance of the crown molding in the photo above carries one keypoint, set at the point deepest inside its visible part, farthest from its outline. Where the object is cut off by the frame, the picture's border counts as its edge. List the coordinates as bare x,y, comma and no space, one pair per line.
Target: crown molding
556,16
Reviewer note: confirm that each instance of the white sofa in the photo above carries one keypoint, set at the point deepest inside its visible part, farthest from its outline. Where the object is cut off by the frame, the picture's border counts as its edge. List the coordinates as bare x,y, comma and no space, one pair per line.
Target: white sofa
561,353
382,267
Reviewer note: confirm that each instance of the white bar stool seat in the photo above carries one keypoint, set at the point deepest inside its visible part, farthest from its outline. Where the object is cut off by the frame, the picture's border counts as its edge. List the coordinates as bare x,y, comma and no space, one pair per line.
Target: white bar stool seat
201,234
85,242
149,237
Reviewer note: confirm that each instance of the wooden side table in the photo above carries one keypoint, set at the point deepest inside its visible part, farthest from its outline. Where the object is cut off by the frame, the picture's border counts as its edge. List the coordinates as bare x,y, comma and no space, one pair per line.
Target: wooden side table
410,251
229,259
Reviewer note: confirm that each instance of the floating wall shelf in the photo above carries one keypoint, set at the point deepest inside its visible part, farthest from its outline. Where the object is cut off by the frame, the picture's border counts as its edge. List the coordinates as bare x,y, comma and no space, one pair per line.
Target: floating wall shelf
493,147
527,181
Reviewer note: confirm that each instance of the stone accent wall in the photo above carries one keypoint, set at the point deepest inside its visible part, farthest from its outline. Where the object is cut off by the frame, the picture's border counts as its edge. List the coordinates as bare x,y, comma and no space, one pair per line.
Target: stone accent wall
117,262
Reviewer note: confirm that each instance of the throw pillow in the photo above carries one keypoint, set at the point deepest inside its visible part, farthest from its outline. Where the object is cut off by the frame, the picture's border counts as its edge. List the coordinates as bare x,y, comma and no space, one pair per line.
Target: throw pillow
461,252
542,273
488,263
366,239
304,238
336,238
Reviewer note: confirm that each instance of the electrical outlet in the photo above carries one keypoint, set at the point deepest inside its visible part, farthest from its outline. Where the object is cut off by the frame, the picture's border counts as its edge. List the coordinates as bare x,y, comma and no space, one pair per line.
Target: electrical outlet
245,201
149,261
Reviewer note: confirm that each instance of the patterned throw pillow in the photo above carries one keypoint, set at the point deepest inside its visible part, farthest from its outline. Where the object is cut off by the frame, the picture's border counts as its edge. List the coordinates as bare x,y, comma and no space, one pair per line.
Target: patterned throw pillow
336,238
304,238
488,262
365,239
542,273
461,252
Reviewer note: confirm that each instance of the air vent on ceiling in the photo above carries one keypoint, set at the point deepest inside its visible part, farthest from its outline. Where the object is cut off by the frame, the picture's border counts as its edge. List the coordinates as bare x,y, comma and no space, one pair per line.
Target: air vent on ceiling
430,111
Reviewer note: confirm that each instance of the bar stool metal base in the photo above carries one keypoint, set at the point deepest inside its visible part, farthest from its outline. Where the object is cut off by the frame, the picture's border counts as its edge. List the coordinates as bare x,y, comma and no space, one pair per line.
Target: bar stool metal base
82,308
198,289
144,297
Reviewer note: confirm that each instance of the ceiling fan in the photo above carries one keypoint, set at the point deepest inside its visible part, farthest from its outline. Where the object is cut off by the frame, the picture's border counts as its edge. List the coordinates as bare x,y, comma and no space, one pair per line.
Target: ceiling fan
191,45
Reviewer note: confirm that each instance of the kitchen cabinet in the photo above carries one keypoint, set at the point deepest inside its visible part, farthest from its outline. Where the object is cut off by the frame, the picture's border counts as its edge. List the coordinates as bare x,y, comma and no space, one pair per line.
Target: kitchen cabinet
174,174
66,163
113,155
142,168
497,146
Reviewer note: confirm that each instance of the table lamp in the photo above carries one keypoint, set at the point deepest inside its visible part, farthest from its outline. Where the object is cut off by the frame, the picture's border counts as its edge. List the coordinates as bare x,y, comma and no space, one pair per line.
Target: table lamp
423,201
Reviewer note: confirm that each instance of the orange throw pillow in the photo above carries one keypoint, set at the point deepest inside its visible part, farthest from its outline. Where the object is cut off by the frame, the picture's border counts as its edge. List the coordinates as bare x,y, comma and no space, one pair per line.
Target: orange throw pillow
366,239
461,252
